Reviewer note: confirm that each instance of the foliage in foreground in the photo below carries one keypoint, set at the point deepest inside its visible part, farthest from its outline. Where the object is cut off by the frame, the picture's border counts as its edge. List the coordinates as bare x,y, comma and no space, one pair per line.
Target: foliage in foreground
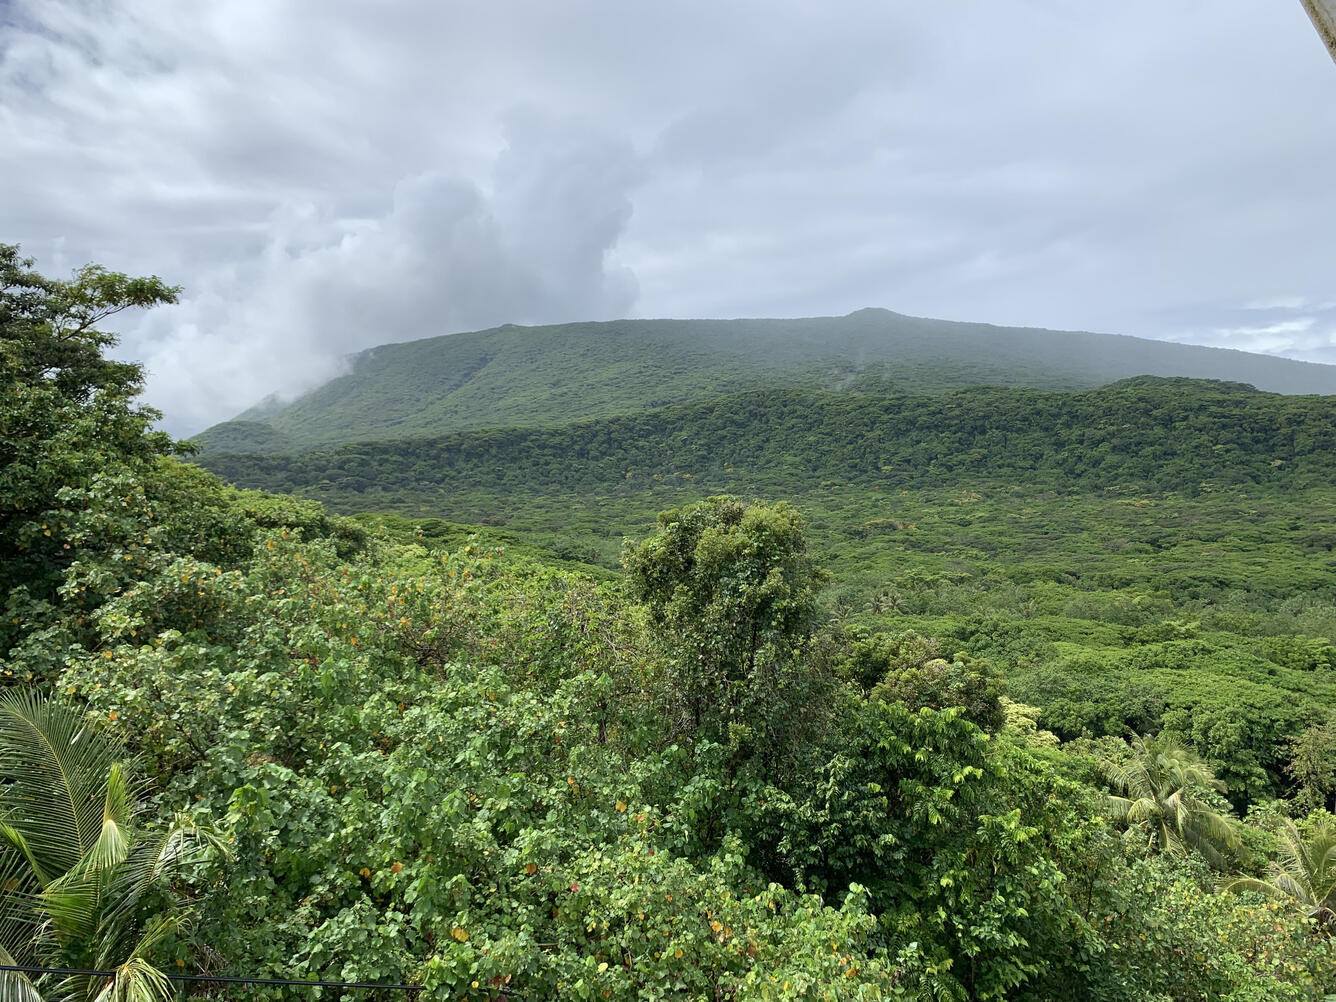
87,884
1303,872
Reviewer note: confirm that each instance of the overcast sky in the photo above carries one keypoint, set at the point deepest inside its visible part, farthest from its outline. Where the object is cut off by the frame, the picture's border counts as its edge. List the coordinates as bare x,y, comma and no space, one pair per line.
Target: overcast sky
327,175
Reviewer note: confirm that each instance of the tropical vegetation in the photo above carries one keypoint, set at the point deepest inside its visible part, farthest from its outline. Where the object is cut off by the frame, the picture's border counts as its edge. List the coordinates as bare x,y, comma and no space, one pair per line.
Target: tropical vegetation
1303,872
870,740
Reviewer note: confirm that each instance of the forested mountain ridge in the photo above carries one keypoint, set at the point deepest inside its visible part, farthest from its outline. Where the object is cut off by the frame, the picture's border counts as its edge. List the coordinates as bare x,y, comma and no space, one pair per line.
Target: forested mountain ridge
1174,434
537,376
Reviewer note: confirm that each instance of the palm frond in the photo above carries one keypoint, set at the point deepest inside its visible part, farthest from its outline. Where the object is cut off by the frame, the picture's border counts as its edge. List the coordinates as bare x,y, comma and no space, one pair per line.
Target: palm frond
1116,774
75,869
15,986
113,841
1174,805
1216,827
159,929
1171,839
1304,873
117,806
12,837
181,841
52,760
1117,807
111,847
19,897
1322,849
162,854
1294,855
1206,845
71,905
137,981
1293,885
1161,782
1143,809
1254,885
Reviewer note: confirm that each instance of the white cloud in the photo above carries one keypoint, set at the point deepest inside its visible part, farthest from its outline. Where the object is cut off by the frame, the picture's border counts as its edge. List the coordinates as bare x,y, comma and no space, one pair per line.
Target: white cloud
1281,328
1278,303
1310,336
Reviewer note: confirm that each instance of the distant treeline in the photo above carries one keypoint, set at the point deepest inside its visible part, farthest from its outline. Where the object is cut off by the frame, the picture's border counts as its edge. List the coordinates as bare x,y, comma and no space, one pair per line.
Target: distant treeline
1146,433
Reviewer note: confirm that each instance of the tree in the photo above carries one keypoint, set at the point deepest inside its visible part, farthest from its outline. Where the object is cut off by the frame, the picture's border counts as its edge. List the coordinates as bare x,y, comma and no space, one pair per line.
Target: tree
1312,763
84,881
67,416
731,588
1305,873
971,850
48,327
908,668
1165,786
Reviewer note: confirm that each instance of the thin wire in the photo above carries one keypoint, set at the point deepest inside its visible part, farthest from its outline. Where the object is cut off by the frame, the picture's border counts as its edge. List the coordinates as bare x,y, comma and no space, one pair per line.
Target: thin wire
206,977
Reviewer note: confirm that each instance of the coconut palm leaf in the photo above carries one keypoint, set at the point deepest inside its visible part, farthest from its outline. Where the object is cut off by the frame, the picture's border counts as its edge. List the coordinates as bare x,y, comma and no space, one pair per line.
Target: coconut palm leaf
15,986
14,840
72,906
137,981
1159,788
1304,873
112,843
55,771
158,855
1207,833
77,871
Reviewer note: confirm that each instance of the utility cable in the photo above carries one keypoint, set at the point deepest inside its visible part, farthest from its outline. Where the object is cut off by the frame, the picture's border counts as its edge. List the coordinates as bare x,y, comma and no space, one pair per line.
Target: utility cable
208,977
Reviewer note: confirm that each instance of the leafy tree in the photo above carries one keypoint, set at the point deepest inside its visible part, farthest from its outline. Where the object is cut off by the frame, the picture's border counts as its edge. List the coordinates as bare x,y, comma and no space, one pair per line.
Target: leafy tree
1021,722
1168,935
85,881
67,417
1305,873
731,588
1312,763
968,848
908,668
1165,787
49,326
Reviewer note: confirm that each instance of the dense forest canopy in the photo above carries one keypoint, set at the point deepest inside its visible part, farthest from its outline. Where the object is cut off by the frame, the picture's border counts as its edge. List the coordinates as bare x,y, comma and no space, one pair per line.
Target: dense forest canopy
1137,434
1045,726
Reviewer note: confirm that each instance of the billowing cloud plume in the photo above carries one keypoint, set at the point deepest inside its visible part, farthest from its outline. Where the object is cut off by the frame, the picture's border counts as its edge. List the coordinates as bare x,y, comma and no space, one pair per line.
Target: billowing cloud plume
445,255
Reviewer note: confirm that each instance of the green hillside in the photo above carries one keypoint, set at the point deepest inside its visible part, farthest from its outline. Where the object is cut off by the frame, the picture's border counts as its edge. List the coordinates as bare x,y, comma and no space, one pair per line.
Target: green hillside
536,376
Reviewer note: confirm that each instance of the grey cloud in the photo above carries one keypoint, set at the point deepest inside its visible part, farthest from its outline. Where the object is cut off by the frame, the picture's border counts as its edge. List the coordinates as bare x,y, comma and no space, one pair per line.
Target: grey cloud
326,176
444,256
